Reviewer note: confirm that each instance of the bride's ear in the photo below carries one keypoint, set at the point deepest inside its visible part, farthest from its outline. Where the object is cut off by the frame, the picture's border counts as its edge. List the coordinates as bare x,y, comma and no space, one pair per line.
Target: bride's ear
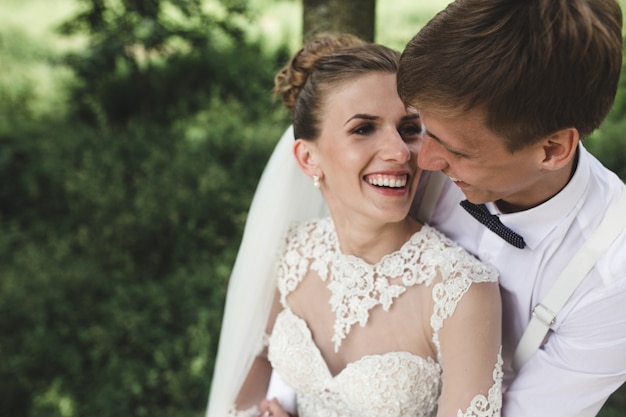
305,152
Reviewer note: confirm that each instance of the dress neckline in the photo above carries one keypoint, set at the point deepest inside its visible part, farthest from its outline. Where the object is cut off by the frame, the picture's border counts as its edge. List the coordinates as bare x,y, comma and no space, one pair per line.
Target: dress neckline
298,323
357,286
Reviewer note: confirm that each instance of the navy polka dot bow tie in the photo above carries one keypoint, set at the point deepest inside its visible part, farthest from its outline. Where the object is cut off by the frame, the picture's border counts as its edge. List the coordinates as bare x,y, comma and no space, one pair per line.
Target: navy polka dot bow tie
480,212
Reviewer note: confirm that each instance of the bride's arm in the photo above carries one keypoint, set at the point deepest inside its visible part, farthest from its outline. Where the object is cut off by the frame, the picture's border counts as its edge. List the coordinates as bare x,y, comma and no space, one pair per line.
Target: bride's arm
470,343
256,383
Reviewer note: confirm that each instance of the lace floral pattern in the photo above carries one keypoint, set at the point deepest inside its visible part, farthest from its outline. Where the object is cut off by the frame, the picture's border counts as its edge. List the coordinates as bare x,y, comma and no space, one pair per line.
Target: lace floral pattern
357,286
491,405
376,385
388,385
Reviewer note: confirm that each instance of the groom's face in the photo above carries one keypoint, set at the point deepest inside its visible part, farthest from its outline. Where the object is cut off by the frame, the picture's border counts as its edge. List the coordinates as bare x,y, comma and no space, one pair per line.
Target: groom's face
478,162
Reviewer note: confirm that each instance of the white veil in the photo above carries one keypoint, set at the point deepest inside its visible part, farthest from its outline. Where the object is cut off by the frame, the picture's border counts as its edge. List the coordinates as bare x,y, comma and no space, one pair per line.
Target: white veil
284,194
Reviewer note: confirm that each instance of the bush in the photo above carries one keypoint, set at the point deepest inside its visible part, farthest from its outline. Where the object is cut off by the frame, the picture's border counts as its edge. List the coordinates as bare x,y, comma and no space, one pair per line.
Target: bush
164,59
116,249
609,142
33,83
117,236
182,86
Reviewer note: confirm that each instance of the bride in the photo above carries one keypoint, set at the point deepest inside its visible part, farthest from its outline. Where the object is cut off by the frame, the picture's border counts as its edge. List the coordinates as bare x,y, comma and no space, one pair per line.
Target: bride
366,312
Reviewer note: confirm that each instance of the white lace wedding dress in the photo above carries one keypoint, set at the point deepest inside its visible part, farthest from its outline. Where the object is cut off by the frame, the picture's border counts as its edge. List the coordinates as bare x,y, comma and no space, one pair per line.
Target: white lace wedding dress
396,383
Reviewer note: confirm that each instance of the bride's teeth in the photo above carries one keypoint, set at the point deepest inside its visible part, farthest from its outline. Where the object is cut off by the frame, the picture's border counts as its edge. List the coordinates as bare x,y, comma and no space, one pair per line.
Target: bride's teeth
388,182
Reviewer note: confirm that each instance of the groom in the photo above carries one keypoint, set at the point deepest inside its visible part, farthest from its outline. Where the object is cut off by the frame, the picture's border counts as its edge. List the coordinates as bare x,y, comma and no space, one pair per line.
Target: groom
506,91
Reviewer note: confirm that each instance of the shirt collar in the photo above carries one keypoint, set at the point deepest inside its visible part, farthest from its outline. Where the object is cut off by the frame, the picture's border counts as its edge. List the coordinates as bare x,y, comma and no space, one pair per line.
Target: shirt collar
536,223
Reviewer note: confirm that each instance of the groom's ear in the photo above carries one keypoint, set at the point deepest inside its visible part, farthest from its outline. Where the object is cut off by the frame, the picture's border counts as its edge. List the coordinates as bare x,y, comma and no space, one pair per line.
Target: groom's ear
560,148
305,152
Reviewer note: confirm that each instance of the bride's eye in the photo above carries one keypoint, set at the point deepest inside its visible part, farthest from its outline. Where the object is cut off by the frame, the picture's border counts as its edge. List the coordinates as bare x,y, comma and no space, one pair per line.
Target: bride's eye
363,129
410,132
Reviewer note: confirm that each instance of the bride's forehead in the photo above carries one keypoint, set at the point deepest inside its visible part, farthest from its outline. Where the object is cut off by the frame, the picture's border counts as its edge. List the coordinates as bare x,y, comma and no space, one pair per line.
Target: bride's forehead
376,97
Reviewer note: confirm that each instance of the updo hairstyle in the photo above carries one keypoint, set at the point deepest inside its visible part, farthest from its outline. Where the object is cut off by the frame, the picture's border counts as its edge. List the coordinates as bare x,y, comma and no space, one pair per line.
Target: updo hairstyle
318,68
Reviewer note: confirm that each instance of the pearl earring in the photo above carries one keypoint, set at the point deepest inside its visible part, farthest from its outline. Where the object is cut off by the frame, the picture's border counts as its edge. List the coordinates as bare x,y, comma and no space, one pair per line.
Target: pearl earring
316,181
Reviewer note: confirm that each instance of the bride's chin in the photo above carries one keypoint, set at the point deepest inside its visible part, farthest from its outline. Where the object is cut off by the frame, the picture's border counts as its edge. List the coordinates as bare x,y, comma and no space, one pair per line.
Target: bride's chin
394,216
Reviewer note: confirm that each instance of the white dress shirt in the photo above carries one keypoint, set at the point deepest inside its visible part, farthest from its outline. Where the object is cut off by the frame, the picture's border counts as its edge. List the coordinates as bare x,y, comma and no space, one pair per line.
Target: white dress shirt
584,358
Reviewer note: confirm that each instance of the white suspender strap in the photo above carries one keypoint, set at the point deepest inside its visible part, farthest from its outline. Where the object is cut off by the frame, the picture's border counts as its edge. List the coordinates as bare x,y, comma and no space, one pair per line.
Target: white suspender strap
434,185
544,313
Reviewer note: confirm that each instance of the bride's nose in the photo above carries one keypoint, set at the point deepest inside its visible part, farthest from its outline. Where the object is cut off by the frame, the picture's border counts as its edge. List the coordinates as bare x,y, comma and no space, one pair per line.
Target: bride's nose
395,149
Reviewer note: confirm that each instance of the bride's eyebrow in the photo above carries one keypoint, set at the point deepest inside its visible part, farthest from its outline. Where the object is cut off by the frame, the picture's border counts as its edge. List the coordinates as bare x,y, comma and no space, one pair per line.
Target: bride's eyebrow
412,116
361,116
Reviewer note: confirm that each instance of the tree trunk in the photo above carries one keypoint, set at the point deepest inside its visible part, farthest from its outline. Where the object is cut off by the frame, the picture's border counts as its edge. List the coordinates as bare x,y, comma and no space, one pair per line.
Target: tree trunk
346,16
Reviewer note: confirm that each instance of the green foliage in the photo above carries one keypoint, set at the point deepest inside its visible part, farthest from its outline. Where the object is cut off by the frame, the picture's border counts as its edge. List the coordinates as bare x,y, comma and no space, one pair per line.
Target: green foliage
158,59
609,143
116,249
117,236
616,404
29,80
609,146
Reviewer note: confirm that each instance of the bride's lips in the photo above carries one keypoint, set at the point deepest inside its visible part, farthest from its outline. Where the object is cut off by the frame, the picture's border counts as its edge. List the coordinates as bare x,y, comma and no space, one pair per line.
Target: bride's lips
388,182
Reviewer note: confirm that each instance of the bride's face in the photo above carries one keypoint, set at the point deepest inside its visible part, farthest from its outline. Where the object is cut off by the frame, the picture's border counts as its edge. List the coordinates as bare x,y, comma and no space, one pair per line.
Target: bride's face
367,150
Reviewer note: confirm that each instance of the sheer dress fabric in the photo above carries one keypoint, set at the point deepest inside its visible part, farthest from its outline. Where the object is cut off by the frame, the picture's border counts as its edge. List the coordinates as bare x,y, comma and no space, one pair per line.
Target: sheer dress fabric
396,383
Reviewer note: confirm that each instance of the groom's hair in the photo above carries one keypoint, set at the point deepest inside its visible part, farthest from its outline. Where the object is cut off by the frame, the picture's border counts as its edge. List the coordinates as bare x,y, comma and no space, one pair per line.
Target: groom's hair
531,67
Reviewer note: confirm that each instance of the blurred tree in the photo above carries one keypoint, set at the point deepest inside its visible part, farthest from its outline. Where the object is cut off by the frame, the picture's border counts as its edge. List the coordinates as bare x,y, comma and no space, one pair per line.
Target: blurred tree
350,16
132,43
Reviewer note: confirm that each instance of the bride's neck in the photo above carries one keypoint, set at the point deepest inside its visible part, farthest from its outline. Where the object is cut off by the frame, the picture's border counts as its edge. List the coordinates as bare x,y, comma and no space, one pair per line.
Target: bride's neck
370,242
